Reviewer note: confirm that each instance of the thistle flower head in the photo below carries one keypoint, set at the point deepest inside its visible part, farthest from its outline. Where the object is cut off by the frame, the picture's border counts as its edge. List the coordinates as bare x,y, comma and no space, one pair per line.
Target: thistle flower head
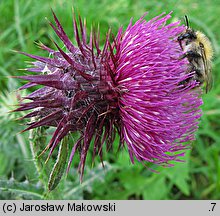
157,115
131,87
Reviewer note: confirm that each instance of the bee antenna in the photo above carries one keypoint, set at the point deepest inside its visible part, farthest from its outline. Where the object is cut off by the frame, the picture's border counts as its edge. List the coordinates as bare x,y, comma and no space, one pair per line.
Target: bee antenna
187,21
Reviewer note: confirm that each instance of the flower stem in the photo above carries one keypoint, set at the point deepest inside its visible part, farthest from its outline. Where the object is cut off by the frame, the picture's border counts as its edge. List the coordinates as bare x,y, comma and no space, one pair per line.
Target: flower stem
38,139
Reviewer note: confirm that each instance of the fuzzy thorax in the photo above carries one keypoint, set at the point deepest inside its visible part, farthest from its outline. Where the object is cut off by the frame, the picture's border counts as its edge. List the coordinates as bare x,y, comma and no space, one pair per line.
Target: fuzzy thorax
201,38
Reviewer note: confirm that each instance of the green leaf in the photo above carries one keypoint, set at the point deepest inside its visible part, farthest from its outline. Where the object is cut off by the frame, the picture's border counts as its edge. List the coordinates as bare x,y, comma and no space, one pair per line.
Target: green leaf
6,163
11,189
92,178
59,167
179,175
156,189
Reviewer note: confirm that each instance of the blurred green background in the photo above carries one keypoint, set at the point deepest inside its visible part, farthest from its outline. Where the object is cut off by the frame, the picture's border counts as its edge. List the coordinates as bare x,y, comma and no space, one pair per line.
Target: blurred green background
22,23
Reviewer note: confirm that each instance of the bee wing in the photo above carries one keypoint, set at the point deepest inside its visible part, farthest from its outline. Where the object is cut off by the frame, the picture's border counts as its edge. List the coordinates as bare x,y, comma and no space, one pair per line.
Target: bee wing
208,72
209,83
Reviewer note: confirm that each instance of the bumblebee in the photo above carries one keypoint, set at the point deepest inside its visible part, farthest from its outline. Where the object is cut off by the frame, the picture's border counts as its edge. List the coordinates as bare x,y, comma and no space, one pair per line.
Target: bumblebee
198,50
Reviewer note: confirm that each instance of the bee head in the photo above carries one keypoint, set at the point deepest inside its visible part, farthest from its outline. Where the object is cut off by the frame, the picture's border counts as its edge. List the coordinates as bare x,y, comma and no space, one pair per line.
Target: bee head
188,35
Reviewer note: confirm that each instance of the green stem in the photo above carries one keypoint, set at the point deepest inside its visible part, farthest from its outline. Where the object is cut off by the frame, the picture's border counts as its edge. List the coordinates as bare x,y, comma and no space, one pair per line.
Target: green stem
38,139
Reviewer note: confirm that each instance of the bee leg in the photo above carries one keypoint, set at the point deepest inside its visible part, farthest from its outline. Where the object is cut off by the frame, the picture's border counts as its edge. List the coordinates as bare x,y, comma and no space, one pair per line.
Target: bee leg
184,82
190,55
180,43
198,76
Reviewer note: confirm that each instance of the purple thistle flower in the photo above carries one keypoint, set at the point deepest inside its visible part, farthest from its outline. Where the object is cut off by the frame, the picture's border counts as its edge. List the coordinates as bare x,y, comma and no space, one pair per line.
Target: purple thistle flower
157,115
131,87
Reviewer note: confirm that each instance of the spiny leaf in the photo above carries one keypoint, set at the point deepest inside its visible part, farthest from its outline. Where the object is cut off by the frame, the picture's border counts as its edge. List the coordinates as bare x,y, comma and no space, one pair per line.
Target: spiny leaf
11,189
